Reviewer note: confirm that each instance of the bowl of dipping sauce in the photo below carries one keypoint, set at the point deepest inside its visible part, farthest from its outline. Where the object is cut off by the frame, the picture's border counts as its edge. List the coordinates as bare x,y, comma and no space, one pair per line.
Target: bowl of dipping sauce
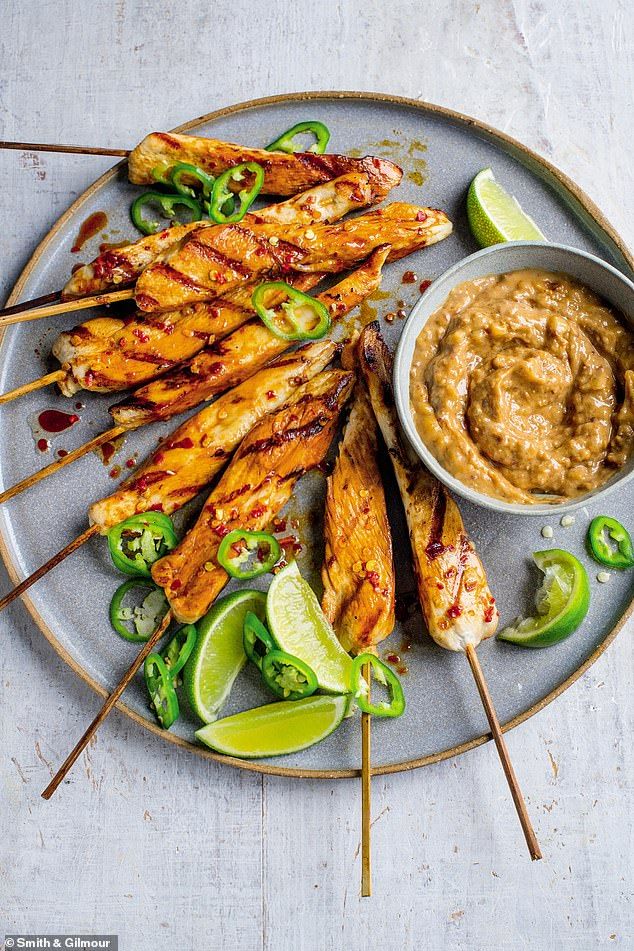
514,378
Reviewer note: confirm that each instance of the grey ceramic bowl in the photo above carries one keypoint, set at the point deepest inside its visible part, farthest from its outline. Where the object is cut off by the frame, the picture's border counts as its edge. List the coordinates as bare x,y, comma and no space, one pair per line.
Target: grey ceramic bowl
601,277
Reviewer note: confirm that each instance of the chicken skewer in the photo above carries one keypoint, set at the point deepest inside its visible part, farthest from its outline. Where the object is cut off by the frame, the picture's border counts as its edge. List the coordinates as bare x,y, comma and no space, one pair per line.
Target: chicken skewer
284,175
214,260
256,485
358,596
213,371
457,604
108,353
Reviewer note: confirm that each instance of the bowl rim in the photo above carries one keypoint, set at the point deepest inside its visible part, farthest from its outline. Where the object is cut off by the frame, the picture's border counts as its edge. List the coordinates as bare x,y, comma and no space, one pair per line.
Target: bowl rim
401,387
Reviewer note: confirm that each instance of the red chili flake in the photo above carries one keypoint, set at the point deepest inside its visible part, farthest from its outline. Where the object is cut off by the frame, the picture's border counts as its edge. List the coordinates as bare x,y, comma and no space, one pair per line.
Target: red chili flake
221,531
43,445
130,463
140,335
409,277
373,578
258,511
89,378
393,658
186,443
80,405
175,585
157,507
421,216
158,457
454,611
270,394
115,472
288,541
279,524
423,286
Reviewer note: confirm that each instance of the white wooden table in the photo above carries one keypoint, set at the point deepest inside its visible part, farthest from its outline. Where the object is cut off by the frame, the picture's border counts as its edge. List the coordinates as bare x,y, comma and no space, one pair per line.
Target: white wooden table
170,851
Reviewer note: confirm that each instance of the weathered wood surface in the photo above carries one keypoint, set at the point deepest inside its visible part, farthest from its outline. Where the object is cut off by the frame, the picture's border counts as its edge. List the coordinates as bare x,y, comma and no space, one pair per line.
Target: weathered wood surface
173,852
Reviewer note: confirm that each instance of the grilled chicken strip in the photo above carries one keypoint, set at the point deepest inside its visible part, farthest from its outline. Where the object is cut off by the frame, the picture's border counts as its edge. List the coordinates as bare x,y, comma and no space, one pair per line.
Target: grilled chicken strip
117,267
284,174
455,597
109,354
196,451
255,487
236,357
358,571
214,260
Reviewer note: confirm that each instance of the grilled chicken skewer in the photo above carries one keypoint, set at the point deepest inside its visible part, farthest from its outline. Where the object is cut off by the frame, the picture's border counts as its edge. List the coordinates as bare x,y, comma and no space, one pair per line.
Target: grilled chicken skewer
276,453
457,604
255,487
212,261
197,450
284,173
358,570
213,371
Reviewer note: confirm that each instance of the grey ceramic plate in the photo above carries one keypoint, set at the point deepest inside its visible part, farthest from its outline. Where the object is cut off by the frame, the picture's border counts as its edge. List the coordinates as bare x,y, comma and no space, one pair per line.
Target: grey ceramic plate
440,152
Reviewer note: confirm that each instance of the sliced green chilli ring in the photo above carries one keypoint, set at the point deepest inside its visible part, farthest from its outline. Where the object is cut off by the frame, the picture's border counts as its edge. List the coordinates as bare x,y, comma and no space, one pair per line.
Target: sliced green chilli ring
285,142
167,204
160,687
395,707
137,542
222,193
119,614
299,317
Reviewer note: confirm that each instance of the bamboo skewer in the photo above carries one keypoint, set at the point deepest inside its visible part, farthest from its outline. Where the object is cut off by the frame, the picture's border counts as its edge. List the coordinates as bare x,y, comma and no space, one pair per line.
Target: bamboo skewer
507,766
366,800
72,757
46,380
48,566
29,304
11,316
53,467
72,149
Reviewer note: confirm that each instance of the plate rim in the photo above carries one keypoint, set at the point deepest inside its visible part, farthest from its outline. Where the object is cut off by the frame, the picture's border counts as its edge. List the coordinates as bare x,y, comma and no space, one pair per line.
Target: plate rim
460,118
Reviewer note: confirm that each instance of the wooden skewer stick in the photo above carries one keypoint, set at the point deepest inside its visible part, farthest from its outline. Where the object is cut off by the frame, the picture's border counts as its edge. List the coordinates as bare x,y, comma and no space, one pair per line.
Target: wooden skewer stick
65,307
73,149
507,766
47,380
36,477
48,566
147,649
29,304
366,802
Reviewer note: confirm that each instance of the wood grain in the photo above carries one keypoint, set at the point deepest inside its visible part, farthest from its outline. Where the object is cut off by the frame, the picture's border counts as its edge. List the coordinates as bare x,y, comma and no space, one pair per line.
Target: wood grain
242,861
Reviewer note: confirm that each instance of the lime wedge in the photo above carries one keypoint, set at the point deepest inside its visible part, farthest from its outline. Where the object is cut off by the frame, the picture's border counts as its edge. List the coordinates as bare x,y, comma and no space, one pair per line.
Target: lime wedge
562,602
495,216
275,729
218,656
300,627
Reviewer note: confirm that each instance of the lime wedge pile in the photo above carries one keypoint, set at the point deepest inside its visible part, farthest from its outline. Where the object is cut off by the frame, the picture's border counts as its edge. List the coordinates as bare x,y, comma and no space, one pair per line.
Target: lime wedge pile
495,216
562,602
275,729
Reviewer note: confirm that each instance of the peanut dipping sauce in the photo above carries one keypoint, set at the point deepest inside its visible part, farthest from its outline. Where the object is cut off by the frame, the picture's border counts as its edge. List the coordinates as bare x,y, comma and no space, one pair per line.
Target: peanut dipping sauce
522,386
